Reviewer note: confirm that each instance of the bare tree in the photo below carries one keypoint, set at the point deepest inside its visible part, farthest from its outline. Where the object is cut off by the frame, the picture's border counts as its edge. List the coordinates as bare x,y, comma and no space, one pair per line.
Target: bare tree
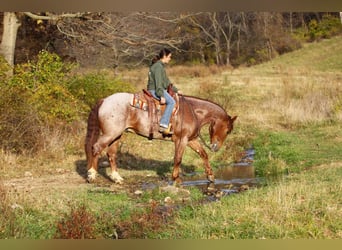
104,38
131,38
9,36
218,30
11,24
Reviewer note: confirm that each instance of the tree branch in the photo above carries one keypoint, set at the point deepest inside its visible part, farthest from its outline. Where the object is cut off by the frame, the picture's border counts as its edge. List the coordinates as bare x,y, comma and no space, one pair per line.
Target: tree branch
53,16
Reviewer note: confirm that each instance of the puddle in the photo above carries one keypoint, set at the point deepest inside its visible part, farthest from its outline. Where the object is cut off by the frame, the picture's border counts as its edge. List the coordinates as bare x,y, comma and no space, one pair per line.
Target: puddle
229,179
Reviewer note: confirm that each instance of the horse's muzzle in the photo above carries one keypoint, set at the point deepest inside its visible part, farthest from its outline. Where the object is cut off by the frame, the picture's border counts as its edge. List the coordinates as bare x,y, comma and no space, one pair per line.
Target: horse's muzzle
214,147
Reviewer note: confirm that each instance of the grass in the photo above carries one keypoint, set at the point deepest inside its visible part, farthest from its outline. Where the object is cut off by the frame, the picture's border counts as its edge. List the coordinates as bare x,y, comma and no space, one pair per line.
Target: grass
302,206
289,110
297,150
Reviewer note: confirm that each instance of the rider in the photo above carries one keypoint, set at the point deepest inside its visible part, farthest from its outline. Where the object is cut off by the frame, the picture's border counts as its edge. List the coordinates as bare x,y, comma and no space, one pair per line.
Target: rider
157,86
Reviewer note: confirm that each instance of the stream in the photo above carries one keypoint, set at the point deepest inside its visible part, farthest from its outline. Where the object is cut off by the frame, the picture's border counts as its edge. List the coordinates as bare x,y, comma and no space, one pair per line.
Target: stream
230,178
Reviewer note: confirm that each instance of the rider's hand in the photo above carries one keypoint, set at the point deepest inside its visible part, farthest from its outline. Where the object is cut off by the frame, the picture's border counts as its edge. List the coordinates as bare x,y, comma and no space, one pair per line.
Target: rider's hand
162,100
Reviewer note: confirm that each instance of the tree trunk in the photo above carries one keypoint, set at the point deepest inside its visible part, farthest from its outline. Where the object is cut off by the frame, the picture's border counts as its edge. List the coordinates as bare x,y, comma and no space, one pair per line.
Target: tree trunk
9,36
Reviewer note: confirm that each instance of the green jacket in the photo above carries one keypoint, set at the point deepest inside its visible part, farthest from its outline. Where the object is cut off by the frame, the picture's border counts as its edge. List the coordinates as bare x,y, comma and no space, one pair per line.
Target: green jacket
158,80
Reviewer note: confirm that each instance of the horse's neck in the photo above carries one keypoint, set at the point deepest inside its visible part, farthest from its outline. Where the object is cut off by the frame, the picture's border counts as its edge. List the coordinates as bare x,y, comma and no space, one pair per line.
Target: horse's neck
204,111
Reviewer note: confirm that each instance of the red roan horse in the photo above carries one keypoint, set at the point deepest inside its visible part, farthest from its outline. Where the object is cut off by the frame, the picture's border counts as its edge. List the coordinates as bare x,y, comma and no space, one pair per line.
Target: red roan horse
114,115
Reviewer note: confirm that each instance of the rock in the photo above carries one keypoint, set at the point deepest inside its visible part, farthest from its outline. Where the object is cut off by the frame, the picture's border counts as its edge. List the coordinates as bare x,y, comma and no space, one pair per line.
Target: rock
244,188
16,206
138,192
168,199
104,164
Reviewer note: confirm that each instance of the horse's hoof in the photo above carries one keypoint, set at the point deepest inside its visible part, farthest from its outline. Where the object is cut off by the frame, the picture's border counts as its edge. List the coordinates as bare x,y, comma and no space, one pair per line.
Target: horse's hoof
211,178
177,182
116,178
91,175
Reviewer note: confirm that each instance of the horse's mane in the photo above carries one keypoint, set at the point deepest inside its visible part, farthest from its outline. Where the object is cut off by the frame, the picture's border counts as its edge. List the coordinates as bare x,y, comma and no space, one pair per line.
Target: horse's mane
199,101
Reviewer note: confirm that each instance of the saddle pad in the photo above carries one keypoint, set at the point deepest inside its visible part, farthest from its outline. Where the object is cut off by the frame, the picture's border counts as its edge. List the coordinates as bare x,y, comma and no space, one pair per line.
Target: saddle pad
138,102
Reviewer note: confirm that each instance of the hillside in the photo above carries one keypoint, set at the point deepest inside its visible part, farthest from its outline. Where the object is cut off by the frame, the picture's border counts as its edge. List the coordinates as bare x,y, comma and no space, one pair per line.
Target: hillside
289,110
324,56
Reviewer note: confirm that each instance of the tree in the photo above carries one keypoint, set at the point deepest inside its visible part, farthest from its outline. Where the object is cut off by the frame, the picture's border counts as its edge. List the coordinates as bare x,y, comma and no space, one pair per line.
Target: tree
9,36
11,24
93,36
98,39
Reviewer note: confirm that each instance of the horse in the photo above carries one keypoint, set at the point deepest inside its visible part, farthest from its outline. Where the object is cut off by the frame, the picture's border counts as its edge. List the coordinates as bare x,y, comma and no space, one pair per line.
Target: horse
114,115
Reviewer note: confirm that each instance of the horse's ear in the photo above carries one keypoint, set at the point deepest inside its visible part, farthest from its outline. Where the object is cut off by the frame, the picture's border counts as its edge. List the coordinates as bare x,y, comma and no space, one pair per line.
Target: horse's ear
233,119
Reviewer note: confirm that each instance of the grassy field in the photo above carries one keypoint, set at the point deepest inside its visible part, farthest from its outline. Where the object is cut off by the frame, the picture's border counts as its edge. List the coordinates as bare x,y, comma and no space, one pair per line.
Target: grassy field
289,110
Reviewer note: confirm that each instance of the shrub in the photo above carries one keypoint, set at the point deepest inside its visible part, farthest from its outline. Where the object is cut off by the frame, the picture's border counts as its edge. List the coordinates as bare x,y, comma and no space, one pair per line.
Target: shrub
44,82
54,102
92,87
19,124
44,94
328,27
4,69
140,225
33,98
48,68
79,224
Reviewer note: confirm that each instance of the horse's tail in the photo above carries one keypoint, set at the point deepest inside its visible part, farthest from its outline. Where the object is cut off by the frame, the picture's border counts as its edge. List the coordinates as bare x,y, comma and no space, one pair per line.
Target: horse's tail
93,131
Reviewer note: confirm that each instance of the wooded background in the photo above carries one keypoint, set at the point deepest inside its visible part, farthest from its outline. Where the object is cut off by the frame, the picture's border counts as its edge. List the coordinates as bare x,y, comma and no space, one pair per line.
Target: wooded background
130,39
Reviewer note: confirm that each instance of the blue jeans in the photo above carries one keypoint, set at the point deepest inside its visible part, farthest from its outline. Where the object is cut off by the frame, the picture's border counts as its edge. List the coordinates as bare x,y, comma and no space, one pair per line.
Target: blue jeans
170,104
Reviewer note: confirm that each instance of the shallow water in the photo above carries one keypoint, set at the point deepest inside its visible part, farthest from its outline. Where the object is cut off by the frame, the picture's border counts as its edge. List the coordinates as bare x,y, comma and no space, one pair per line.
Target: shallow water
229,179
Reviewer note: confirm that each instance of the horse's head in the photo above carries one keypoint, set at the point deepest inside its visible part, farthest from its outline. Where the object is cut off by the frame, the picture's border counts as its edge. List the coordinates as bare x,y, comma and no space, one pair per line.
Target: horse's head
218,130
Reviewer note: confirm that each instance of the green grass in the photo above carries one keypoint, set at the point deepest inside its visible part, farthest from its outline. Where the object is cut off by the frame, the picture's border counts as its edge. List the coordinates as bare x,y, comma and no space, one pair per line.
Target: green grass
324,56
302,206
279,152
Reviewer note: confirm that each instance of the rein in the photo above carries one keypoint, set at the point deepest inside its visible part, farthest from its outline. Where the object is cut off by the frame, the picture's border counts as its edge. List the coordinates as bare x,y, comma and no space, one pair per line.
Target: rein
195,118
205,144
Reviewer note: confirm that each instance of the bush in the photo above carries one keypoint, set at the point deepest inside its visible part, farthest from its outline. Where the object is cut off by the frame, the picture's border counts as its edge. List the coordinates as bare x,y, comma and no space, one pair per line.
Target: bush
48,68
42,96
328,27
4,69
92,87
44,82
79,224
19,124
54,102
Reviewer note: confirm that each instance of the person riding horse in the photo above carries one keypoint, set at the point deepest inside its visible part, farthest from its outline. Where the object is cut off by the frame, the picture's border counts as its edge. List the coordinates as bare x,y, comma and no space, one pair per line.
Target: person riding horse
115,114
157,85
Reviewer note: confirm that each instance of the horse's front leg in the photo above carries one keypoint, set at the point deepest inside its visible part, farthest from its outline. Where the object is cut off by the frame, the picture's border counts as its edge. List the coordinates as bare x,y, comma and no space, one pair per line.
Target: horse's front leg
111,154
180,146
197,147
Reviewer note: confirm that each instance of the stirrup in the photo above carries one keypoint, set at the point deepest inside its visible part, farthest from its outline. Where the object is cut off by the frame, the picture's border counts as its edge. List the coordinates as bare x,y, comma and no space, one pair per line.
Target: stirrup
166,131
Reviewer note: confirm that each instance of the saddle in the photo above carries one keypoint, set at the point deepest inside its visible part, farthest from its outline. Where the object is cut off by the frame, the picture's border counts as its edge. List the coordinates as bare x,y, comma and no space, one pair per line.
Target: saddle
145,101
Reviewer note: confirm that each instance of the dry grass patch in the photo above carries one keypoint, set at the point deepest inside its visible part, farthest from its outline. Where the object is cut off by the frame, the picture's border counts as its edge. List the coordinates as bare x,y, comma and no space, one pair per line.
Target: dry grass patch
313,99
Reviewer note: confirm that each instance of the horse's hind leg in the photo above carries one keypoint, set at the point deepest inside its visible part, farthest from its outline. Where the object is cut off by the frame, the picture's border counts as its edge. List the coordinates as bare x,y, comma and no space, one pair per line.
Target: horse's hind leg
92,168
111,153
197,147
97,148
